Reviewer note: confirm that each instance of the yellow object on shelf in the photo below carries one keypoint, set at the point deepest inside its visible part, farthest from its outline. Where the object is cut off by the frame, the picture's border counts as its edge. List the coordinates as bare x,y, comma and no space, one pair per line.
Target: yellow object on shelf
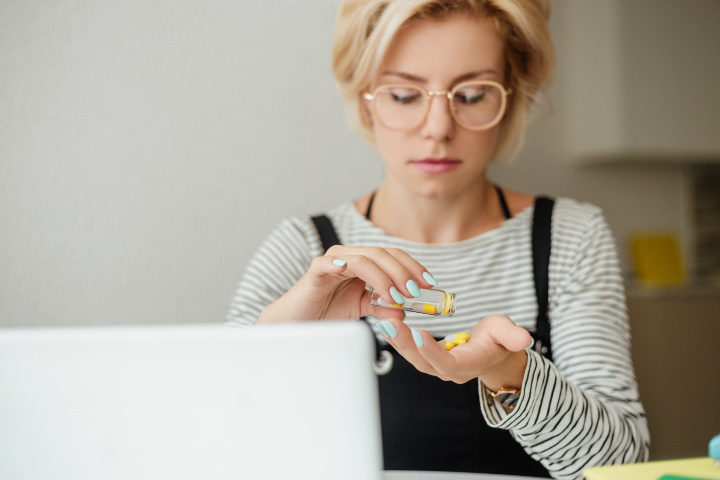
701,468
657,259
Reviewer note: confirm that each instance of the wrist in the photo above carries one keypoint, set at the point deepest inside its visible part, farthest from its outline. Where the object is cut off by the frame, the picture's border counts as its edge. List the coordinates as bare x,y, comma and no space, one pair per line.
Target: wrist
507,396
273,313
507,374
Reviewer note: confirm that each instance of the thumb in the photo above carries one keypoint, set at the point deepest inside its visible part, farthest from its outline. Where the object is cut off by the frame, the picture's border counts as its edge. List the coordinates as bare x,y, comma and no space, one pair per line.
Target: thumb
509,335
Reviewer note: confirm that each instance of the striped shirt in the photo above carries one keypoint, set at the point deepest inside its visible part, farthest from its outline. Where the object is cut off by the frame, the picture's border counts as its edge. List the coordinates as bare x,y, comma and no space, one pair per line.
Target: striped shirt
580,410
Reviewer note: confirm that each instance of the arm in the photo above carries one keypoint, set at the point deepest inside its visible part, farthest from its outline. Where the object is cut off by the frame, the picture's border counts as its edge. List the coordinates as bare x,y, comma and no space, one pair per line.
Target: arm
584,409
289,279
284,257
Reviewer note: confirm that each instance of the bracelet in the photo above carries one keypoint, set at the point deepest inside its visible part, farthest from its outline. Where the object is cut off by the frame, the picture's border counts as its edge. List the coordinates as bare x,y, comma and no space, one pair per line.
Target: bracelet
508,397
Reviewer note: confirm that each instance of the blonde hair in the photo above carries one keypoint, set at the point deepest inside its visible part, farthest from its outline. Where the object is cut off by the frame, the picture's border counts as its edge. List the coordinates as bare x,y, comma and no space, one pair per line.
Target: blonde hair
365,29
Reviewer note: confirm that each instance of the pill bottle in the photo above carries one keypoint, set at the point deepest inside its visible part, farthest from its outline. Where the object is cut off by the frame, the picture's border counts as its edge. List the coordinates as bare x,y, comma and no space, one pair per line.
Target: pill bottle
430,302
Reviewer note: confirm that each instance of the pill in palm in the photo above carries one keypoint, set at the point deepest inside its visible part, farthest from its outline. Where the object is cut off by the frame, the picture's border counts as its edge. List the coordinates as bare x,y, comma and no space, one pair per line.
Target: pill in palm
451,341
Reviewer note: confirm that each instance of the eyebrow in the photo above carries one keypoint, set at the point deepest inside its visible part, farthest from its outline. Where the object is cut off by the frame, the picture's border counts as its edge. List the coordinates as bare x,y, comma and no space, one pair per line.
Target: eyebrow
461,78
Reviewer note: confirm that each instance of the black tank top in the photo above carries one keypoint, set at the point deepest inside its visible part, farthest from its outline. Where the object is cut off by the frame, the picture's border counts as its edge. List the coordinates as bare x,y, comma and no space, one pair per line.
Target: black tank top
432,425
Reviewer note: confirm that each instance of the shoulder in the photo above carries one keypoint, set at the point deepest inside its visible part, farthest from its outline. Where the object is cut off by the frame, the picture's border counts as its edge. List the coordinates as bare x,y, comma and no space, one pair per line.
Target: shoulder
580,231
517,201
570,212
575,221
565,209
568,215
302,232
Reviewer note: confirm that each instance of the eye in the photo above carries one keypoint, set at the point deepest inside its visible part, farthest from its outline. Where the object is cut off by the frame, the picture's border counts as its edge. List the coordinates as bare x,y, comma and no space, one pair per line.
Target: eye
470,95
405,95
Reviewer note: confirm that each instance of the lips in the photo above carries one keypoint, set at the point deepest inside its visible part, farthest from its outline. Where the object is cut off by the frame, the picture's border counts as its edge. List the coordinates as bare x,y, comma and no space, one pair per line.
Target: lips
435,165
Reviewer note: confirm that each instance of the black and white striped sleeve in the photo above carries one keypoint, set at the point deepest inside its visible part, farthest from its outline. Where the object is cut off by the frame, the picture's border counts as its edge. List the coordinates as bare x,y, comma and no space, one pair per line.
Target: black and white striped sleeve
278,264
583,409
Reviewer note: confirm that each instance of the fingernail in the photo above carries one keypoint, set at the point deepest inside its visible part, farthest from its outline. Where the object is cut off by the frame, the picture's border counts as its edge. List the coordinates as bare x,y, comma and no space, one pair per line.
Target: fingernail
339,262
413,288
430,279
389,328
532,343
418,338
396,296
380,327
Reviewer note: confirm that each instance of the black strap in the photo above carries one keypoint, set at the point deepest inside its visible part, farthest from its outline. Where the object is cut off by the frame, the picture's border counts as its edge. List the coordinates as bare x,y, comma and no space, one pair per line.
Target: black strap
327,233
541,244
503,203
370,204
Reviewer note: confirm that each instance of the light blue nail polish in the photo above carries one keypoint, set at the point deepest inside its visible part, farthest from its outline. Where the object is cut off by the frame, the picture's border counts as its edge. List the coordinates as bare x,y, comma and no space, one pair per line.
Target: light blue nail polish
390,328
396,296
339,262
380,327
418,338
413,288
430,279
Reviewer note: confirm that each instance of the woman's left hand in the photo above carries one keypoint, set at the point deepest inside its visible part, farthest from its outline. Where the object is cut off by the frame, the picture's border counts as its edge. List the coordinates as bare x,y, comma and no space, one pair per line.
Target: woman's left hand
495,352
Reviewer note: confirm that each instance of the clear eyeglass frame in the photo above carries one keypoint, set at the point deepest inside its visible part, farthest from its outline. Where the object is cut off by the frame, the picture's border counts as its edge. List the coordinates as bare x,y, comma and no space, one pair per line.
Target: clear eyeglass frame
450,95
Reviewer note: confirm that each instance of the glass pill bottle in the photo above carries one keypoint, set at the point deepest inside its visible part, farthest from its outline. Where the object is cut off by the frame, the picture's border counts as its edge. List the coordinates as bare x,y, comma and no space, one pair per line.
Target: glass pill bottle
431,302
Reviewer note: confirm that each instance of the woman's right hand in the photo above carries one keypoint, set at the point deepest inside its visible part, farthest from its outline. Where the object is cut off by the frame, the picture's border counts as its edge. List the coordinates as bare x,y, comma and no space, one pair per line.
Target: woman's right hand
334,286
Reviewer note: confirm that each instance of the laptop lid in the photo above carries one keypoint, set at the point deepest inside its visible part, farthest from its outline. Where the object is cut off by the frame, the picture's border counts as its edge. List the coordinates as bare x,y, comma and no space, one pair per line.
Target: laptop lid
189,402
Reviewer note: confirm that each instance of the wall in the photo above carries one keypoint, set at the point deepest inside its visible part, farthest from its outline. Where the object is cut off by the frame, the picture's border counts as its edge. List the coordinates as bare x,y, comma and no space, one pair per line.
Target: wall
148,147
675,351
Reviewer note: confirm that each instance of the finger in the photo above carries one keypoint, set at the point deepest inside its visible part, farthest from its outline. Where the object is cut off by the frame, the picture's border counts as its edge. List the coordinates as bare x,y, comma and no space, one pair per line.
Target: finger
364,268
383,313
507,334
408,342
324,266
435,354
390,289
418,271
405,273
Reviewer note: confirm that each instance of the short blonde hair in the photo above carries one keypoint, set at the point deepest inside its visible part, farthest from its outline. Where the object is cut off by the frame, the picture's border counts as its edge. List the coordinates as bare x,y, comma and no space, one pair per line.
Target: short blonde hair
365,29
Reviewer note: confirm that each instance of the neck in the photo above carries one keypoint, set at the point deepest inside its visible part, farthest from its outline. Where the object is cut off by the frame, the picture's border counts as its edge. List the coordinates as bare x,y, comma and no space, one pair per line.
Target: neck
426,219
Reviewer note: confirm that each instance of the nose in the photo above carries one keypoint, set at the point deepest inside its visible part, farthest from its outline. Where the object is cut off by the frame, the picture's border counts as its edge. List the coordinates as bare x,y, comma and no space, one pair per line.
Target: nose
439,122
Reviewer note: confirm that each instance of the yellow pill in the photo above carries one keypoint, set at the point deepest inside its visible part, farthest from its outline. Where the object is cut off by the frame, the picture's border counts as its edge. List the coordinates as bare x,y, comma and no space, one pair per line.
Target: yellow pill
424,308
449,345
464,336
459,341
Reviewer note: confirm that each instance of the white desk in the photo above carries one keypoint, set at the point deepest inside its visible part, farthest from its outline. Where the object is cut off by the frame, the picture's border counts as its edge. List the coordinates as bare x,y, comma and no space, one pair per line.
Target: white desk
409,475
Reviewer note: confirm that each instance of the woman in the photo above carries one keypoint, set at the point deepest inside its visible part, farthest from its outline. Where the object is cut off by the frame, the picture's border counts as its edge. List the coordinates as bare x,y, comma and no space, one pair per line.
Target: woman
443,88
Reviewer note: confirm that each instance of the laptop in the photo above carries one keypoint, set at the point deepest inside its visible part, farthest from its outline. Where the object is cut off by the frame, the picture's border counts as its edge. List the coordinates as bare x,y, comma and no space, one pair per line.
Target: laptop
291,401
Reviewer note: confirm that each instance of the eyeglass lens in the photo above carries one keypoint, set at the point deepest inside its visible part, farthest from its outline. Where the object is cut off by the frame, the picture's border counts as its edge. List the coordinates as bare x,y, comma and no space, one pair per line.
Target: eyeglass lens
475,105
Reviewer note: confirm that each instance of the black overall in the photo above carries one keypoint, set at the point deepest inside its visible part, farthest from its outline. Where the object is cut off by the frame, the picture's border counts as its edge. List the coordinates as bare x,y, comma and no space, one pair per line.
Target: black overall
433,425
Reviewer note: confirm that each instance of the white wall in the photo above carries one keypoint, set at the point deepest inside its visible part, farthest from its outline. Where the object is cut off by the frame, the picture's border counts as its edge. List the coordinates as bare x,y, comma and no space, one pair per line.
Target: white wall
147,147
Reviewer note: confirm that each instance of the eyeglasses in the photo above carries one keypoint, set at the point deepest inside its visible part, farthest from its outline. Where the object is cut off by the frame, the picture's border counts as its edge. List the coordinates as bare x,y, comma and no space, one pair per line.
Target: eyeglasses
475,105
